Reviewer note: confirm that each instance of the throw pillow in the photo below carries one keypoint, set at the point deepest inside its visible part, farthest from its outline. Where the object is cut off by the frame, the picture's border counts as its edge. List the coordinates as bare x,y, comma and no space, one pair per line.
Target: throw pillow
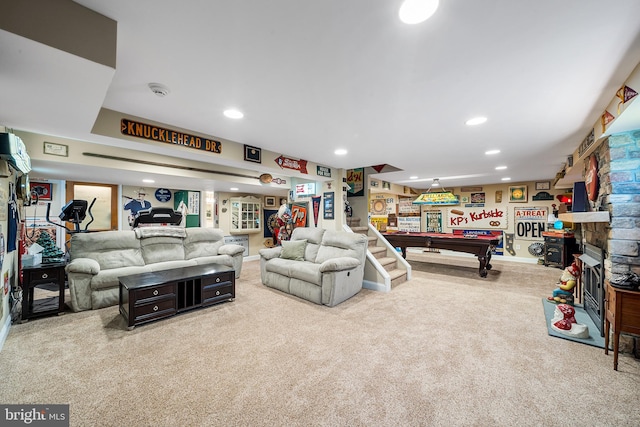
293,249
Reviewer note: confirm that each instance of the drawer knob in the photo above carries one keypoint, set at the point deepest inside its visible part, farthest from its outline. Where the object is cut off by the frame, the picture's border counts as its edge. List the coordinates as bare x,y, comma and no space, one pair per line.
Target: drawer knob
217,292
155,308
155,292
217,279
45,275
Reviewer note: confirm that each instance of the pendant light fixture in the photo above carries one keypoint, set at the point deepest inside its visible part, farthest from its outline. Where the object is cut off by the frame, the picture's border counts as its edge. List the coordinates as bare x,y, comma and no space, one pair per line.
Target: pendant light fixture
442,197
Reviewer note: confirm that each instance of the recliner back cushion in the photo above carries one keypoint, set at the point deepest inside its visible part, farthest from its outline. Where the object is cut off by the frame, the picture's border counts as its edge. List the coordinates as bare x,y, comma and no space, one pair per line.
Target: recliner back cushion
313,236
202,242
342,244
111,249
160,249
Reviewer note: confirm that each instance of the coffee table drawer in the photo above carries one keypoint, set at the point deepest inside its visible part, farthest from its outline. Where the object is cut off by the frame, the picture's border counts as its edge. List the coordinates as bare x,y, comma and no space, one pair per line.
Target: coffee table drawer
144,296
161,308
216,293
218,279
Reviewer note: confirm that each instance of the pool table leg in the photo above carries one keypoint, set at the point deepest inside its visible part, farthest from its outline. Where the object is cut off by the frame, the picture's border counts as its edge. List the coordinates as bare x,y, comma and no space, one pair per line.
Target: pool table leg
483,266
489,266
484,263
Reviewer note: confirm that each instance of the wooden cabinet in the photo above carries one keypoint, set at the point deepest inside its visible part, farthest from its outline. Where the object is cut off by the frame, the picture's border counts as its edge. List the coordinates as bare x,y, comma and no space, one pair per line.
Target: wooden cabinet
157,295
623,314
558,249
246,215
43,290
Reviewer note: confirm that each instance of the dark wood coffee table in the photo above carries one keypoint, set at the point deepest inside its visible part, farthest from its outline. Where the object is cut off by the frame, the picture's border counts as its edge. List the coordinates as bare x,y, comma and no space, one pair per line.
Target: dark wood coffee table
146,297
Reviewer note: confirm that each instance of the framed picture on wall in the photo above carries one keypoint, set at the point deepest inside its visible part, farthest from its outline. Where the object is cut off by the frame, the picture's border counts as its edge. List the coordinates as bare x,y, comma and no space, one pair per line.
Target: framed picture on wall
518,193
269,202
43,190
544,185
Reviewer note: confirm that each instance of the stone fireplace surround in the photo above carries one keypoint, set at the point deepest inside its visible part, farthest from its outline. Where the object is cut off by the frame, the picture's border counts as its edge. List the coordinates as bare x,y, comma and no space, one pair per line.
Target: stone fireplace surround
618,159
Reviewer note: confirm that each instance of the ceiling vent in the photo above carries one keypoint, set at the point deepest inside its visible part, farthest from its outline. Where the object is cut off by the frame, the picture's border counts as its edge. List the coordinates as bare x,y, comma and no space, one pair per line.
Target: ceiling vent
159,89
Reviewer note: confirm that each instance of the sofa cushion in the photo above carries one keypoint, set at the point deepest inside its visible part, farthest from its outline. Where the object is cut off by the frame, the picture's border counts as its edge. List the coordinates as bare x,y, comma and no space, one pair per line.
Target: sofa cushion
293,249
302,270
168,265
313,236
109,278
279,266
306,271
160,249
340,244
201,242
111,249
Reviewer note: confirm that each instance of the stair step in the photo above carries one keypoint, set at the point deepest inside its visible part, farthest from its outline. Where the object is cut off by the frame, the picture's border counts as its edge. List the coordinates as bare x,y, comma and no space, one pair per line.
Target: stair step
389,263
372,240
353,221
360,229
377,251
398,276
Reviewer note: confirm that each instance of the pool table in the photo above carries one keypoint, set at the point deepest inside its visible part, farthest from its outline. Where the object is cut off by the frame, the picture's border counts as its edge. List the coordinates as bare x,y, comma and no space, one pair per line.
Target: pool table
478,245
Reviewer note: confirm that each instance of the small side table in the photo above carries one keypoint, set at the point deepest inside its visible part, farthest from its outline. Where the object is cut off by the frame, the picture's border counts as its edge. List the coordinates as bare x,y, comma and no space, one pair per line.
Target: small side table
50,277
622,308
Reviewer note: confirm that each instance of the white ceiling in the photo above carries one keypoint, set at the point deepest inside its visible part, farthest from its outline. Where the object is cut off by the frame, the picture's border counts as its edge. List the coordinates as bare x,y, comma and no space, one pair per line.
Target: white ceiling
314,76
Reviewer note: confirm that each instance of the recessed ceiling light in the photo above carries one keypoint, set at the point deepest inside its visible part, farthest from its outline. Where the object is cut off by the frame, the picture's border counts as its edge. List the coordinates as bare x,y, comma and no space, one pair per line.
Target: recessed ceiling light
149,181
413,177
475,121
233,114
234,189
416,11
340,152
506,178
490,152
499,168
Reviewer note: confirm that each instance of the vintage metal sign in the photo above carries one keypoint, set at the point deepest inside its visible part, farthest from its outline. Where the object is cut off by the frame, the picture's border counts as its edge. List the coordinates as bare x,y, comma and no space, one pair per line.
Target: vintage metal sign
495,218
155,133
323,171
289,163
530,222
443,198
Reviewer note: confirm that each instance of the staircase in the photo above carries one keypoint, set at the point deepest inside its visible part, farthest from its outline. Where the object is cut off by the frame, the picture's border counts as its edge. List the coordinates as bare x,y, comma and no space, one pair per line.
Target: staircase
384,256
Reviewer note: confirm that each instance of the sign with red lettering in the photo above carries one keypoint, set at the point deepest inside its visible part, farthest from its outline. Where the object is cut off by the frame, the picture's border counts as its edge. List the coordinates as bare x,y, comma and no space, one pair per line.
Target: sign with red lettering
295,164
530,222
484,218
155,133
355,180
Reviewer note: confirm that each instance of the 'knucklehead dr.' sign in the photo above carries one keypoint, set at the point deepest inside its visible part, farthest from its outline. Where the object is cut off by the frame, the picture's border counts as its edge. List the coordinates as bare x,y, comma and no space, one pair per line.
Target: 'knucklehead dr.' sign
155,133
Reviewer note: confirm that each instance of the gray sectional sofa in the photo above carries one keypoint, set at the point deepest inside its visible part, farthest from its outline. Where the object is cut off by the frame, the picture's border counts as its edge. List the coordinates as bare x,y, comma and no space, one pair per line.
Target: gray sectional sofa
321,266
98,259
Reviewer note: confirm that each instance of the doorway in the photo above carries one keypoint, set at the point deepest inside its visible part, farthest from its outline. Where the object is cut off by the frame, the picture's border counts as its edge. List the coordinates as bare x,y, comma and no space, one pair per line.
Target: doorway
105,208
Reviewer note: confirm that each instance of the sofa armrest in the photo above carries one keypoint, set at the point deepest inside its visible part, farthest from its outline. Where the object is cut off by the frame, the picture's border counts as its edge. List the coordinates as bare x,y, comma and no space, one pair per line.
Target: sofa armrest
339,264
230,249
270,253
83,265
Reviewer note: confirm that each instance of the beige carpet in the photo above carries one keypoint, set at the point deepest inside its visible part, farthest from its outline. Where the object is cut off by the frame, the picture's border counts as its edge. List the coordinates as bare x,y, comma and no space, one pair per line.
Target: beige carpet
446,348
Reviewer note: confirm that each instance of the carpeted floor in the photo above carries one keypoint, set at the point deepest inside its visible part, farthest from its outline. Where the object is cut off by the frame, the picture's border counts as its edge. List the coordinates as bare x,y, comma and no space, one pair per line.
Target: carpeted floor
446,348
